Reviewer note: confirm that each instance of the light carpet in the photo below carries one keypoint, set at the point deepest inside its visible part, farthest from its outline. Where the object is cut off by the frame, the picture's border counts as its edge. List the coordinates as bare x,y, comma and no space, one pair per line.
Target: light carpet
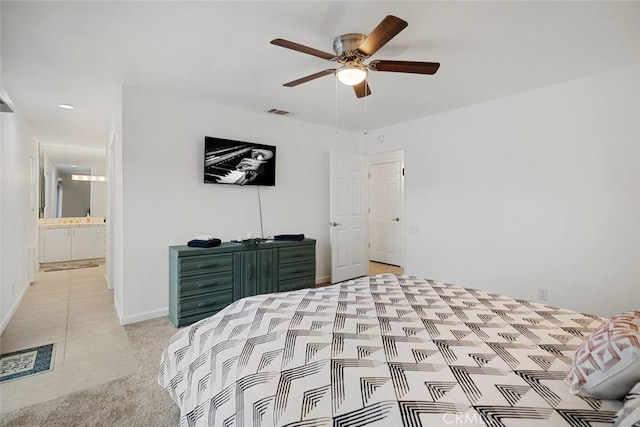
136,400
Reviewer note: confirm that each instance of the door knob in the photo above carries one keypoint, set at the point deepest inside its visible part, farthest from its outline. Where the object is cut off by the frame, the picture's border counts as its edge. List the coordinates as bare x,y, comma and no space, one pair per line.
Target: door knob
334,224
396,219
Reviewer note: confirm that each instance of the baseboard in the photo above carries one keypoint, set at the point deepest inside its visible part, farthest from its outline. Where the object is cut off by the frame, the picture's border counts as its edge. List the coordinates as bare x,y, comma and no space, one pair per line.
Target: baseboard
322,280
14,308
140,317
106,279
148,315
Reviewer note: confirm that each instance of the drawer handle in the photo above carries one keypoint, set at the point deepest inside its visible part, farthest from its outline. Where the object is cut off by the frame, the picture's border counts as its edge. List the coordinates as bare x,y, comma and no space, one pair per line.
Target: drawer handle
298,255
298,271
207,304
213,264
206,285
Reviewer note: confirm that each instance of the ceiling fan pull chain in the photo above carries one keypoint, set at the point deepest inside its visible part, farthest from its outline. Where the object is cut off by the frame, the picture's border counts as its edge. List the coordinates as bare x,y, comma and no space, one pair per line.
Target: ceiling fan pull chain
366,112
336,83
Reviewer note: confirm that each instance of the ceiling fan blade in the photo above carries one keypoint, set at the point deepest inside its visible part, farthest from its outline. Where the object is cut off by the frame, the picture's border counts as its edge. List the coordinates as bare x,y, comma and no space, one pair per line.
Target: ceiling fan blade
301,48
309,78
415,67
385,31
362,89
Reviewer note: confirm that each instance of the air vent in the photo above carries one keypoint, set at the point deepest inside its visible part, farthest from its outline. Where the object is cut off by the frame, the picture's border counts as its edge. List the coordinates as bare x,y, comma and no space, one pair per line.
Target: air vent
279,112
4,108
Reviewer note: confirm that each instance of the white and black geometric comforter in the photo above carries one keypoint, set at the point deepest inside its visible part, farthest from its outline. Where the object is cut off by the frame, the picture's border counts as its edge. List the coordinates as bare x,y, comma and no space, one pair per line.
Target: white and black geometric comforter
381,351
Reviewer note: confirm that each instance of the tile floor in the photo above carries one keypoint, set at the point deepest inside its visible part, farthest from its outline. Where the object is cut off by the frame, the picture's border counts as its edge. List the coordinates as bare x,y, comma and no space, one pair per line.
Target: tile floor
73,309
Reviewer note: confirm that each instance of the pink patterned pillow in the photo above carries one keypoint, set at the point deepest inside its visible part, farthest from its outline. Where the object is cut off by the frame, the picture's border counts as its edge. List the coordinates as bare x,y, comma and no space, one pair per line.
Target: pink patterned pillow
607,364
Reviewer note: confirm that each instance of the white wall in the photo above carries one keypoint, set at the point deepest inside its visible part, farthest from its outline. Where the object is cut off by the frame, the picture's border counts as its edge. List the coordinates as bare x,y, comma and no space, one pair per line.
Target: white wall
166,203
50,188
541,189
98,191
18,223
115,212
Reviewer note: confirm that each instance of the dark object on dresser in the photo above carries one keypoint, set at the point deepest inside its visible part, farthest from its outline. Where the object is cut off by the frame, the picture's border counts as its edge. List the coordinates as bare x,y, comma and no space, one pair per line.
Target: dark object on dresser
203,281
211,243
252,243
289,237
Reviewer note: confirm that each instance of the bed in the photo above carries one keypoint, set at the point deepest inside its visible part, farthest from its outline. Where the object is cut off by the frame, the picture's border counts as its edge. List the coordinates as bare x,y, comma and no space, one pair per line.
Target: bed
384,350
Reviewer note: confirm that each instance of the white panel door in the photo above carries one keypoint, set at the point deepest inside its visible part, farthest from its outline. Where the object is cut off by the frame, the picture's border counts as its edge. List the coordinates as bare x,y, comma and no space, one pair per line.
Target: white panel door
348,216
385,180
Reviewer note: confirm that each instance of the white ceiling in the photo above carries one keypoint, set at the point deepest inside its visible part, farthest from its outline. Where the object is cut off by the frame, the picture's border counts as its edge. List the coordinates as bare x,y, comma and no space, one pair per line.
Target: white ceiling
81,52
83,159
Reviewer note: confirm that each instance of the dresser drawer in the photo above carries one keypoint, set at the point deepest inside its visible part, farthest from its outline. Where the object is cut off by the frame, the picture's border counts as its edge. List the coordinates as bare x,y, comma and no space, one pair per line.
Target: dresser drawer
296,254
207,283
195,265
212,301
293,270
193,318
297,283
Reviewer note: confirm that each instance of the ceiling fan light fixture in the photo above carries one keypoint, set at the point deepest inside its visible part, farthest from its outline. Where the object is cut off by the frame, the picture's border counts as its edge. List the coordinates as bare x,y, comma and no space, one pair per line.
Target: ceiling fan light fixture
352,49
351,75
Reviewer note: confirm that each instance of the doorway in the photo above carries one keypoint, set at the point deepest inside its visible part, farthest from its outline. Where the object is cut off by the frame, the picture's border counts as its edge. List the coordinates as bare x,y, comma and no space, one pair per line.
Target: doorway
386,213
366,237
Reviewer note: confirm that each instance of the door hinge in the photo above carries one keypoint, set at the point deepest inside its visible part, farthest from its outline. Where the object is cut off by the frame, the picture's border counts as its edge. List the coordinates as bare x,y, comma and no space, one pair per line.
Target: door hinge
402,171
369,244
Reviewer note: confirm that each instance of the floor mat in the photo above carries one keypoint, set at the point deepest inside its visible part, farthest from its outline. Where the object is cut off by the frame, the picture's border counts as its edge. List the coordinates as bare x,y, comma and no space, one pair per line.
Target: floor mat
71,266
20,364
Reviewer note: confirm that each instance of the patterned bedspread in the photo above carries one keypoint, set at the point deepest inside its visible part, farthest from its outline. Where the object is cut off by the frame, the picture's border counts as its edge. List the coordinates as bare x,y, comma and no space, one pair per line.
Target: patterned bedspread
381,351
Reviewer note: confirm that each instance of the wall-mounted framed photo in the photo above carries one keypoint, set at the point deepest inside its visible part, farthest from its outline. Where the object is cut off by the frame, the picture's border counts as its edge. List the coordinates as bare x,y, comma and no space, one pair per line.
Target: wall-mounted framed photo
227,161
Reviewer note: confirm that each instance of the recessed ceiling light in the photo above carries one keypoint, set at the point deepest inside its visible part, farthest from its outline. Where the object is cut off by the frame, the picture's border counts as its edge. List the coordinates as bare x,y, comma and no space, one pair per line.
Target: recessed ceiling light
74,166
66,106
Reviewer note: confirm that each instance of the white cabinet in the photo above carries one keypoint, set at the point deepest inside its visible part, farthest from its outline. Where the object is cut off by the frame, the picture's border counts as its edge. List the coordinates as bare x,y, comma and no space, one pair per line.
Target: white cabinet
41,232
83,243
72,243
57,244
101,241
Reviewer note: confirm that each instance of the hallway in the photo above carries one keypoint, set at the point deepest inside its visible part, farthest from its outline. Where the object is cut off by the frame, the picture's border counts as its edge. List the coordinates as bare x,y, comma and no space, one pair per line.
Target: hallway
74,310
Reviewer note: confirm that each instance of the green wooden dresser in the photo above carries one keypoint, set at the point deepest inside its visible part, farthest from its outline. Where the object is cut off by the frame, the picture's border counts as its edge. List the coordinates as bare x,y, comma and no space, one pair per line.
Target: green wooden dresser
203,281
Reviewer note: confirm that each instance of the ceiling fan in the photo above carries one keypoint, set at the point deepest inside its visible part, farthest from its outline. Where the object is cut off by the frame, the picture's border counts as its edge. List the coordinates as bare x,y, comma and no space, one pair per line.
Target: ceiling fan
352,49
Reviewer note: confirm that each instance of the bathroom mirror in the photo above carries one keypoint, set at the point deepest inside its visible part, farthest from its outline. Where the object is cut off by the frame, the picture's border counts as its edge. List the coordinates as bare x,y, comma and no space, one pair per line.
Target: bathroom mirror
63,197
